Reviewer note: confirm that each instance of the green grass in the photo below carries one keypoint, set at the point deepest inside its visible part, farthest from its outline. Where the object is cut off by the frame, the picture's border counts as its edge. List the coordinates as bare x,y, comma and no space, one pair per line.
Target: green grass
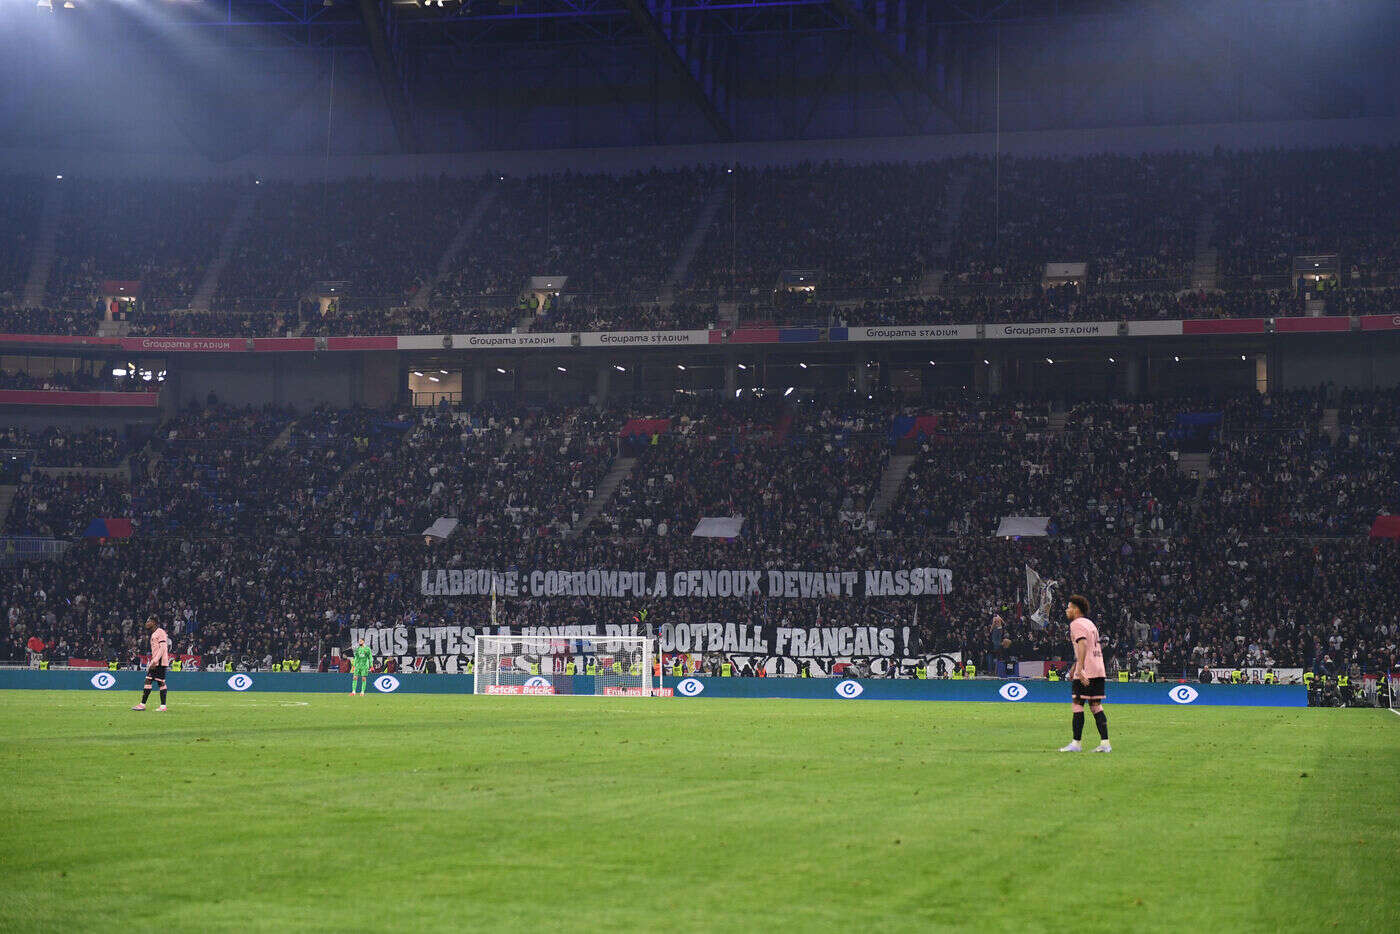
415,813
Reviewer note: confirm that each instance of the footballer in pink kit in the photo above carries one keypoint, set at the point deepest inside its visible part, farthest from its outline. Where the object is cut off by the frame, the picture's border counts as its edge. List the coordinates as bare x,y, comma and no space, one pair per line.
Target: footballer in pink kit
1086,675
160,658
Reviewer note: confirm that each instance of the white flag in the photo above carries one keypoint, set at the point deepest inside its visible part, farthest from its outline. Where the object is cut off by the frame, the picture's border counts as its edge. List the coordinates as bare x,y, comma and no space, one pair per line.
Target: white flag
1040,595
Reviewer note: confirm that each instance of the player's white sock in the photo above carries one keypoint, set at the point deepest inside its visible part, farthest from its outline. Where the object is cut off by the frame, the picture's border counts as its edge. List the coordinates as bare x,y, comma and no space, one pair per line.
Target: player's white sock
1072,747
1103,747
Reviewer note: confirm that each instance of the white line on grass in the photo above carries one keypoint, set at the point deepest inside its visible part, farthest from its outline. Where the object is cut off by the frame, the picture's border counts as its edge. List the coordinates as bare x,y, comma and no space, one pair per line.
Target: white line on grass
250,704
78,699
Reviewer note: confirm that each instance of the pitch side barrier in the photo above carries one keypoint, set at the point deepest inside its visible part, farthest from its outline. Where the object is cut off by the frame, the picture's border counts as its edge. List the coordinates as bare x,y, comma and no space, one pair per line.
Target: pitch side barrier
991,690
982,689
1304,326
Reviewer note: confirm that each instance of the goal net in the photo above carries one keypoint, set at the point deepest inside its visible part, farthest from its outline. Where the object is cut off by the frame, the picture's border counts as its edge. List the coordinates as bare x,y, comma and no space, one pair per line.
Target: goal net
618,665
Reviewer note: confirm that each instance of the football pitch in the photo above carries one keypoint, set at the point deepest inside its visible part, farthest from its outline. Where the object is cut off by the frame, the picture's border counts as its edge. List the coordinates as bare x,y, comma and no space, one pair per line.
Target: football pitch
266,812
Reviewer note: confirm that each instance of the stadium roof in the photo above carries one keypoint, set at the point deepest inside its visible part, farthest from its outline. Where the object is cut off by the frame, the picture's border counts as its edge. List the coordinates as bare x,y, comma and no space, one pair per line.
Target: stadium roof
463,75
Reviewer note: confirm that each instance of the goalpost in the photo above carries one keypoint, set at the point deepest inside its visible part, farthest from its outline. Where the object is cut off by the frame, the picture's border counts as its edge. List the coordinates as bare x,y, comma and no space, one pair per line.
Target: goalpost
620,665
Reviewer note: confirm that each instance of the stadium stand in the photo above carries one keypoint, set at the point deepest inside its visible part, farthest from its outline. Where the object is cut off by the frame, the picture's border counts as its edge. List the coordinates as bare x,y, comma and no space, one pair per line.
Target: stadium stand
1067,303
1130,218
586,316
613,235
47,321
1279,204
21,202
882,240
267,533
160,233
59,447
378,238
187,324
74,381
867,228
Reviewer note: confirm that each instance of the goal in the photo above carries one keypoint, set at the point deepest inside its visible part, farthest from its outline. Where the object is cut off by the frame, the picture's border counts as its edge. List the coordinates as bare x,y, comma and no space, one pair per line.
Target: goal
619,665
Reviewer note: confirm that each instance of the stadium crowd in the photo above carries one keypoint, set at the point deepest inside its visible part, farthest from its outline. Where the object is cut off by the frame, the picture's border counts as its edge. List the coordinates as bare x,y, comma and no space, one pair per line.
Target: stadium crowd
367,236
807,482
1069,303
75,381
865,228
21,202
1132,219
871,234
69,447
17,320
438,318
585,316
188,324
161,233
1276,205
267,533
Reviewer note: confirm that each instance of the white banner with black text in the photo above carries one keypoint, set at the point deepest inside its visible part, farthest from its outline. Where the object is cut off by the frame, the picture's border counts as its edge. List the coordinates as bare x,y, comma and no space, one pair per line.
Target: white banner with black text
481,582
449,647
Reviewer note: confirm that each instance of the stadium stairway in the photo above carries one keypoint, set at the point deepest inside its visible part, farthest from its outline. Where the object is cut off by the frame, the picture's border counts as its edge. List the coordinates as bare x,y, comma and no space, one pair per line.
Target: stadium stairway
680,269
1055,423
621,469
890,482
955,197
45,245
1205,265
454,249
204,295
7,497
936,264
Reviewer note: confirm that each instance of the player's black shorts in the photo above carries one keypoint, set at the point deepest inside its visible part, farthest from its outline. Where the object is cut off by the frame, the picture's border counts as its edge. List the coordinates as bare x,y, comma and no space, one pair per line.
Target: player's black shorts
1094,691
156,672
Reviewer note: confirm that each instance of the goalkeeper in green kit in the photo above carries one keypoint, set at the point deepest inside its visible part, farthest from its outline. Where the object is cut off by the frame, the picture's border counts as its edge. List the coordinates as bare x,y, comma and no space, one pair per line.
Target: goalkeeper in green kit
364,658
